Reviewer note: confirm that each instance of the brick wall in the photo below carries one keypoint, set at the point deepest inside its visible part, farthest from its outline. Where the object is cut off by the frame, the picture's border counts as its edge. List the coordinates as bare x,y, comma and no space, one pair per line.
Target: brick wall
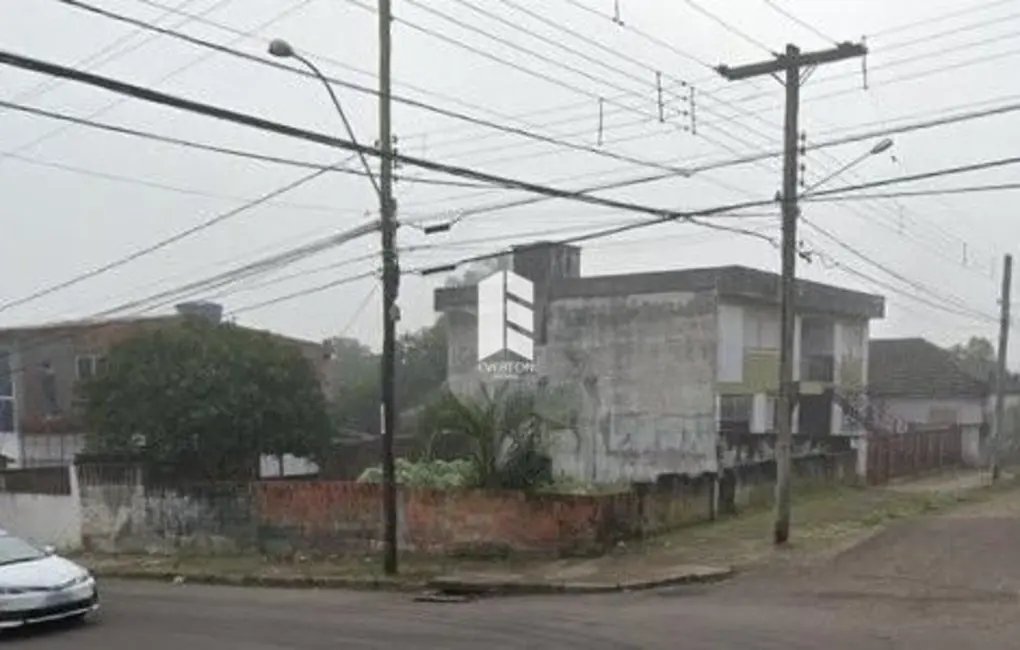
123,512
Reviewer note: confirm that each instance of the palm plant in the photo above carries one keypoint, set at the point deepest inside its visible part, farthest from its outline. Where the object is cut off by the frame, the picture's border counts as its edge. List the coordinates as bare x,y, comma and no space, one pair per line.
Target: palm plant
503,431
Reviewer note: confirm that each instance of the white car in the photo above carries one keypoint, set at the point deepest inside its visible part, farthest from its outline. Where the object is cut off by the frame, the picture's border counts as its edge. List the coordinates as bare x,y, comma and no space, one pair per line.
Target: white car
37,585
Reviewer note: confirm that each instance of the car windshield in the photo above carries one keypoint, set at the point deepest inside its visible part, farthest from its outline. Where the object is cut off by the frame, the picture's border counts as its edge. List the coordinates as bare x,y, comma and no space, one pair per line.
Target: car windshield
14,550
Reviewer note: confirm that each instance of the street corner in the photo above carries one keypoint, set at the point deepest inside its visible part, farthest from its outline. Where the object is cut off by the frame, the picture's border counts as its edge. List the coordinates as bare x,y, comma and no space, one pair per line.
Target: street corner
494,585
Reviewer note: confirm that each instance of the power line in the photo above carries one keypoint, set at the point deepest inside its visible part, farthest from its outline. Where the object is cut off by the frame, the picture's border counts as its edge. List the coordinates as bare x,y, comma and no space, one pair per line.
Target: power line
540,75
360,310
346,66
829,262
806,25
939,18
648,83
143,182
161,244
972,189
169,75
78,4
917,286
950,32
304,292
97,59
649,37
728,27
191,144
270,126
811,146
896,180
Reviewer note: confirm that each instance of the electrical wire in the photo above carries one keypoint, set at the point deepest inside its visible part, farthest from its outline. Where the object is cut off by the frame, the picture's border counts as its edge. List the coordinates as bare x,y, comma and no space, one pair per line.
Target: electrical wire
102,110
108,53
304,292
161,244
972,189
143,182
728,27
775,6
241,153
939,18
540,75
649,37
917,286
910,178
78,4
270,126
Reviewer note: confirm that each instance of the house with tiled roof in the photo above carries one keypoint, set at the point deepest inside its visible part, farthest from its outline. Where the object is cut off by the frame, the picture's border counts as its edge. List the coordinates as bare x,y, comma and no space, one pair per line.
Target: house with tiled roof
917,383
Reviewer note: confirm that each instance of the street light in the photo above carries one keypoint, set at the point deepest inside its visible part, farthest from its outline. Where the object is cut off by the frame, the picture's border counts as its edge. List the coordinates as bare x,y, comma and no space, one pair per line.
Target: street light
284,50
880,147
391,271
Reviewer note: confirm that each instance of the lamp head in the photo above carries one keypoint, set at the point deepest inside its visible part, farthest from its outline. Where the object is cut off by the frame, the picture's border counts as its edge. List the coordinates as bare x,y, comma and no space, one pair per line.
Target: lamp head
884,145
280,48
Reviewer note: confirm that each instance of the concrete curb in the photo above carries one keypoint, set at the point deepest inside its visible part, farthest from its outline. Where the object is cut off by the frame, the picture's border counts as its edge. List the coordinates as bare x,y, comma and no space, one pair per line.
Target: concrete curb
482,586
277,582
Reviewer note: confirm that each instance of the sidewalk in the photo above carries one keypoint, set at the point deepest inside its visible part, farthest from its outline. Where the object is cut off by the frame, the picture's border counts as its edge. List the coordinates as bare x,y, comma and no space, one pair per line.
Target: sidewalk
823,523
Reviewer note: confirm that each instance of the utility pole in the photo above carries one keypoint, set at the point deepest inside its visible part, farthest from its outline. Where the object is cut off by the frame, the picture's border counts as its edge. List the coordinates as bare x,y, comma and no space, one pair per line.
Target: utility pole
1000,369
791,64
391,279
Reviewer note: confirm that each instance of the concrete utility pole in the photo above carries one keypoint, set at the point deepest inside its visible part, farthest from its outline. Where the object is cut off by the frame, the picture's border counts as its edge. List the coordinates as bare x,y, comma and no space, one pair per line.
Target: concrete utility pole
1000,369
791,64
391,280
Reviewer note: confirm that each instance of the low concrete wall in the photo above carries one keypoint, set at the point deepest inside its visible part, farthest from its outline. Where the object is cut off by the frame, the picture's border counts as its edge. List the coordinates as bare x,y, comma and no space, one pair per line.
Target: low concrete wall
42,514
329,518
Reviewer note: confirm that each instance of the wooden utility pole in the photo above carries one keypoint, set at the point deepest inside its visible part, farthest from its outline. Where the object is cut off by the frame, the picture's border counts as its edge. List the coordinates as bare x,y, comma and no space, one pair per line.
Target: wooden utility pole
1000,369
791,63
391,278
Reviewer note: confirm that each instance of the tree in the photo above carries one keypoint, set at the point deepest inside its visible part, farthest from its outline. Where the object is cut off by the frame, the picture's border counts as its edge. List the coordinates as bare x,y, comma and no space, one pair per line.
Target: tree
215,397
977,349
976,356
505,430
420,373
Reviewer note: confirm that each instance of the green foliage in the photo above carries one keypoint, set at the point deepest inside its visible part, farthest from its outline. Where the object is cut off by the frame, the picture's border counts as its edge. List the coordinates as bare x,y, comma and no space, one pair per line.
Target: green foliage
505,431
420,372
977,350
434,474
214,395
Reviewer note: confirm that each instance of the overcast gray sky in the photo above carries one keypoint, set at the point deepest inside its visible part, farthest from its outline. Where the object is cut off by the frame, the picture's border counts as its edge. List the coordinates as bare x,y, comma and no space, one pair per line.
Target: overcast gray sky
931,252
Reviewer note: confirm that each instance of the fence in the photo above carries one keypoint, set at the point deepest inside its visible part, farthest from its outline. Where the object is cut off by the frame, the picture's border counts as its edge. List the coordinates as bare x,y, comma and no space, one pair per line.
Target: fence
914,452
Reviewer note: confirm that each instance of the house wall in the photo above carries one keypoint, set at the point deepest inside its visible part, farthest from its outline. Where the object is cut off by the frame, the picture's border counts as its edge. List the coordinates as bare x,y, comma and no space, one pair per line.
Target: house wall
920,410
645,366
970,414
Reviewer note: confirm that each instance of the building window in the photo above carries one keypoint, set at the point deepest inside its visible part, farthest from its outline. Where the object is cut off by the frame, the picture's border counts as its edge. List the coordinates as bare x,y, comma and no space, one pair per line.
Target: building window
761,330
87,366
770,413
735,413
51,404
6,393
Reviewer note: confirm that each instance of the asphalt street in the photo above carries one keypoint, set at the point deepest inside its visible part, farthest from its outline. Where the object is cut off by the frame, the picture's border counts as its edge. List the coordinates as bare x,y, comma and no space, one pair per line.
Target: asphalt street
949,582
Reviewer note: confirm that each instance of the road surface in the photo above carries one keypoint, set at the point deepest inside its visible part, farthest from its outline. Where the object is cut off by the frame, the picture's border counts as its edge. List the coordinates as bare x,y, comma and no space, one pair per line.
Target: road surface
944,583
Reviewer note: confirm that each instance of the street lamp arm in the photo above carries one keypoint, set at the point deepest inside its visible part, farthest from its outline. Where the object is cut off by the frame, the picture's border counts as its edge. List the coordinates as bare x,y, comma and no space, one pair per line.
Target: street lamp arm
343,116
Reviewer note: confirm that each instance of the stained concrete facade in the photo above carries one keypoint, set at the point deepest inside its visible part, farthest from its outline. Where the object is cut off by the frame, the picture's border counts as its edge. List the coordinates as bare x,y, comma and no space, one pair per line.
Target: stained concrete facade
651,356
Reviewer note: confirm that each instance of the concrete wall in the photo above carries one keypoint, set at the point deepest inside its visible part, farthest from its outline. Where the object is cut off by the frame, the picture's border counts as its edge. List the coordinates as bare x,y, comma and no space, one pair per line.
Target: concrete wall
645,367
129,517
46,519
